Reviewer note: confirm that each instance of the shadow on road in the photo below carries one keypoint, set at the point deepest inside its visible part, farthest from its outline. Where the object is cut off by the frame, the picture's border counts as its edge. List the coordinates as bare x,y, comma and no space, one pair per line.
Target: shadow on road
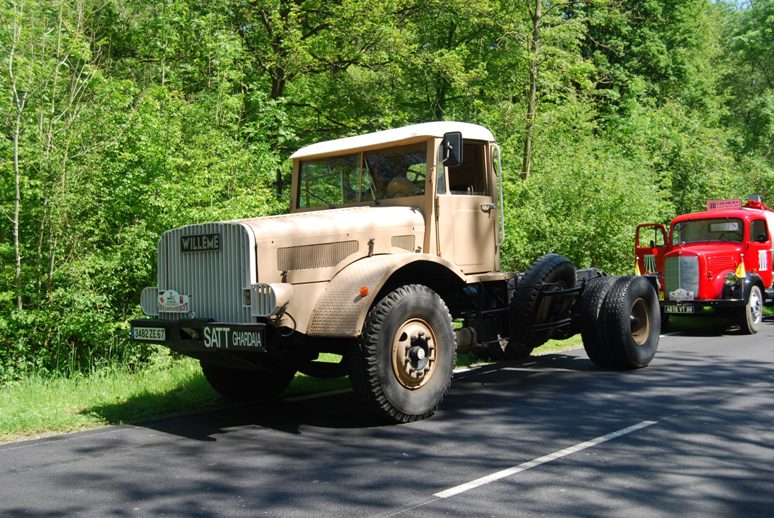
343,410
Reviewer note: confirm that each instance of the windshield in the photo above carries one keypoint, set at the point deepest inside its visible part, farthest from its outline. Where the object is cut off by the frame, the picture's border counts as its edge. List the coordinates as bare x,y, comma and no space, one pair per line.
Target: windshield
361,177
701,230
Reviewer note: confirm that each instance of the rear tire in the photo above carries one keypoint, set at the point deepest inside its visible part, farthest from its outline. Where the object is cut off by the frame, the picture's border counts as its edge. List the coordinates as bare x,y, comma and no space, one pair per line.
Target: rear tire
631,322
404,358
247,385
525,309
592,333
751,316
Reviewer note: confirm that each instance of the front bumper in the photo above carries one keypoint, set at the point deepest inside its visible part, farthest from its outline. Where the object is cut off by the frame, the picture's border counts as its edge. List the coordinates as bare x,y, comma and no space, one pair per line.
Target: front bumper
195,335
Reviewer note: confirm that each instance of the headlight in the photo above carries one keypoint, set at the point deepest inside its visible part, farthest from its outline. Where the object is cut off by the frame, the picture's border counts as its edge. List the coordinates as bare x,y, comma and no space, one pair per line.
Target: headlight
268,299
730,279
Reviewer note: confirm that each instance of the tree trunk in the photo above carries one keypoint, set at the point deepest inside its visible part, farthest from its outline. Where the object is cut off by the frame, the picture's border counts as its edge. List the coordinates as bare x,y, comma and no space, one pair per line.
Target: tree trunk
534,47
19,100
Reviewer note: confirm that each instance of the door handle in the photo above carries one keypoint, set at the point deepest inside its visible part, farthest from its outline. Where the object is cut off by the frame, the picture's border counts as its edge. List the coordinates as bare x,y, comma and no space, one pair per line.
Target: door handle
487,207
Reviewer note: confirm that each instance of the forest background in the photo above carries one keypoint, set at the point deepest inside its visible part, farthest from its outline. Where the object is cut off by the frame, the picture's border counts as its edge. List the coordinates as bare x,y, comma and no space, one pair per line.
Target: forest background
124,118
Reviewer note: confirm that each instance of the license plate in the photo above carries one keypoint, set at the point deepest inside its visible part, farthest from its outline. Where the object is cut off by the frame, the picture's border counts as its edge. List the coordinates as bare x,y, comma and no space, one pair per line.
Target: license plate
679,309
152,334
232,337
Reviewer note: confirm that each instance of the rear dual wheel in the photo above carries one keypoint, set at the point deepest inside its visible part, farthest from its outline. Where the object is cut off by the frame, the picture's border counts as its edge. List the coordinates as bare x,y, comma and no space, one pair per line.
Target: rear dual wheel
622,322
550,272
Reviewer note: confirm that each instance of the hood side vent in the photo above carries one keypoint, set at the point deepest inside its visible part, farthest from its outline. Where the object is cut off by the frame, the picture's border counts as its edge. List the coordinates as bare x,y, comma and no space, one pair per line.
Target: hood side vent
407,242
308,257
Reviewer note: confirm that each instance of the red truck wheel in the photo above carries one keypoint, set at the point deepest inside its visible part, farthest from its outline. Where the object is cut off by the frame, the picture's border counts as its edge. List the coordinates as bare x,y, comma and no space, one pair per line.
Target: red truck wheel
751,316
404,359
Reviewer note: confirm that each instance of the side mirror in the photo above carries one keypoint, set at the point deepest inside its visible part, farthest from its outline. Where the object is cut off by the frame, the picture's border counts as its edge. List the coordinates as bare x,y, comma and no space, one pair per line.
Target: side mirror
451,149
762,238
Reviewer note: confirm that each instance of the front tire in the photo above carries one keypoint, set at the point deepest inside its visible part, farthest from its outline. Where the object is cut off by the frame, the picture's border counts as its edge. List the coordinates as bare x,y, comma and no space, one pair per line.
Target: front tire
247,385
405,355
751,316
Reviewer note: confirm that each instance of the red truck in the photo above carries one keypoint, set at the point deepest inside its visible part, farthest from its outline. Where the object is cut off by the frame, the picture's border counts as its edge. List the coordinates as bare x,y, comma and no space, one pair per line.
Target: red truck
713,262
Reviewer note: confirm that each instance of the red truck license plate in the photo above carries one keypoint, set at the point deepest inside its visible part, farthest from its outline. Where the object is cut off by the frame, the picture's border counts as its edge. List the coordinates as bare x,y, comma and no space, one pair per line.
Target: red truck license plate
679,309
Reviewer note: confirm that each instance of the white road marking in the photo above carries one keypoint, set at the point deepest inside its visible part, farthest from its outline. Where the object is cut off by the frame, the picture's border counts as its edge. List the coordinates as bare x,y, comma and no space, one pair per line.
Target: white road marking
541,460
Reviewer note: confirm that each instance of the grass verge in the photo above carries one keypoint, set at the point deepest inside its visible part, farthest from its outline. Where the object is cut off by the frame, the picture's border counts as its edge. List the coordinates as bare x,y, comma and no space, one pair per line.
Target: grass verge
37,406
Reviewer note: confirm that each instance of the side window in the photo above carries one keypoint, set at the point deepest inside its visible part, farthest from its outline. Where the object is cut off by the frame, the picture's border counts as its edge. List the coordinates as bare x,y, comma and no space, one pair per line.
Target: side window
470,176
649,237
758,231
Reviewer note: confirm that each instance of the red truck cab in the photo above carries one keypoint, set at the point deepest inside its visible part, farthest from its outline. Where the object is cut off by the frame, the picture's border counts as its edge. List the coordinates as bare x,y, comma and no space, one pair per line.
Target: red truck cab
716,261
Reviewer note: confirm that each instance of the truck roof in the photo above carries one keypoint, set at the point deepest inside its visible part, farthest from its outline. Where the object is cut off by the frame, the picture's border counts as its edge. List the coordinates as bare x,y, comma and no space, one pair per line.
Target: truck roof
427,129
743,213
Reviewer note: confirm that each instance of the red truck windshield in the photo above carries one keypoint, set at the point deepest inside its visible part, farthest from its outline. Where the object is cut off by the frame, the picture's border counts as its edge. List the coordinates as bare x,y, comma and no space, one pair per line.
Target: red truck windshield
701,230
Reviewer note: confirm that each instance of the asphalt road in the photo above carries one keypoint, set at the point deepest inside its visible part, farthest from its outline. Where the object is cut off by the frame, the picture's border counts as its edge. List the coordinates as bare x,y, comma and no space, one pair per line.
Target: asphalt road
690,435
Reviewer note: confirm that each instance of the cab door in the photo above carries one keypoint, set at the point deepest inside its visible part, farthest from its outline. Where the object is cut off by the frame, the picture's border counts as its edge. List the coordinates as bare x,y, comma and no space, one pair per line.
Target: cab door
650,246
466,212
758,257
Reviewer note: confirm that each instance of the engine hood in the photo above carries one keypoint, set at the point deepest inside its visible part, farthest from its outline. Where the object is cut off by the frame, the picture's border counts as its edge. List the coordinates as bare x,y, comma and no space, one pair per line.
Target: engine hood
306,247
713,249
334,224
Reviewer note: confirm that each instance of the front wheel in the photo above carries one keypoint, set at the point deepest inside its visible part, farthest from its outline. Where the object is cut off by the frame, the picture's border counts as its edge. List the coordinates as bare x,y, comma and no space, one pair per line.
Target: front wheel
247,385
752,315
405,355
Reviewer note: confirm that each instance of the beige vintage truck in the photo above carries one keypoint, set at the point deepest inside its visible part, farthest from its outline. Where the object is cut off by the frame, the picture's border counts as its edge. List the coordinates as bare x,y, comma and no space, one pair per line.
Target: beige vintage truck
389,257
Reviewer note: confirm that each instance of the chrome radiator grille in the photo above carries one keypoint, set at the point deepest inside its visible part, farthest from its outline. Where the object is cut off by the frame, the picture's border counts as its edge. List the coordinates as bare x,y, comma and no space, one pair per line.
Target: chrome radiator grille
681,272
214,277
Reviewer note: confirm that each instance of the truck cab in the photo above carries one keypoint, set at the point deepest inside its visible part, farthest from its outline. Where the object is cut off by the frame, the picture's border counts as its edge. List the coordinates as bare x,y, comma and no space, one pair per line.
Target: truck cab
718,261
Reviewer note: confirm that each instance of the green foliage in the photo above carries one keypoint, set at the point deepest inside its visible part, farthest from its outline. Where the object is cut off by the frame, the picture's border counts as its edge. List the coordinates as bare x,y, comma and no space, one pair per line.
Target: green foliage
749,78
585,198
128,118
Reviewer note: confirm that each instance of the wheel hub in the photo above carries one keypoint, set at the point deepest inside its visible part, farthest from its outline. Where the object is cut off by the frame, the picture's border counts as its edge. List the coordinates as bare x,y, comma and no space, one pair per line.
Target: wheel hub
414,354
640,322
756,308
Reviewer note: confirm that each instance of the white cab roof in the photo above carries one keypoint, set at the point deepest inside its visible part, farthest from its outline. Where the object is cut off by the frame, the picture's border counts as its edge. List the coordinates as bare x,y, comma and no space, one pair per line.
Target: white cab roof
427,129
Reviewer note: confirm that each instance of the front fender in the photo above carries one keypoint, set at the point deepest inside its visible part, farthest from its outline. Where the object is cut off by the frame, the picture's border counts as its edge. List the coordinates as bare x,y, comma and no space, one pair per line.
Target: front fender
342,308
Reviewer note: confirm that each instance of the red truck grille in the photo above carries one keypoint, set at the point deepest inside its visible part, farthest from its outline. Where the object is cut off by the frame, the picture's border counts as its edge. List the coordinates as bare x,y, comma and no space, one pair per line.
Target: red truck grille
681,273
